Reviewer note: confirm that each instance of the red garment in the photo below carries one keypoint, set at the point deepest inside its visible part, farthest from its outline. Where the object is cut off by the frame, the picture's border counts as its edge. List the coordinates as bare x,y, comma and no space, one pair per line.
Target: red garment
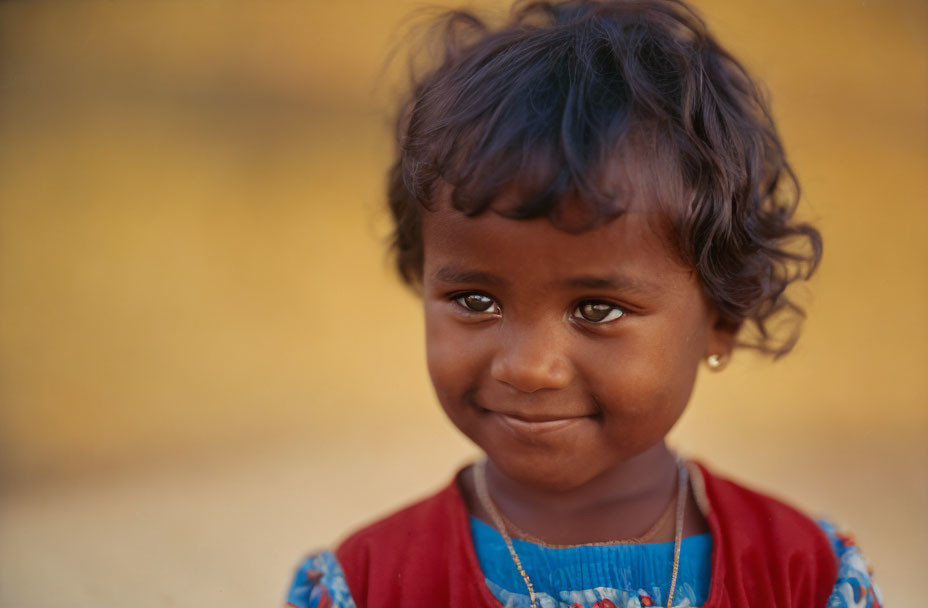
765,554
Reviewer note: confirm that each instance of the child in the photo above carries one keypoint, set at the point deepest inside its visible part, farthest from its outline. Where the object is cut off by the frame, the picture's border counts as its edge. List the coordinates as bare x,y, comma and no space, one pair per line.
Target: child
592,200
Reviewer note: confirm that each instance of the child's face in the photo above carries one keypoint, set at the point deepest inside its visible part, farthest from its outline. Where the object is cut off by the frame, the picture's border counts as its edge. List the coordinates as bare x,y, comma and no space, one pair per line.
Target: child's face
561,355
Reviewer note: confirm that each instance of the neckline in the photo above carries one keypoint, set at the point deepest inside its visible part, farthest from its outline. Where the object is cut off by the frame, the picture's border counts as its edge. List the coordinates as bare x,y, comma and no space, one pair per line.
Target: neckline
703,536
697,479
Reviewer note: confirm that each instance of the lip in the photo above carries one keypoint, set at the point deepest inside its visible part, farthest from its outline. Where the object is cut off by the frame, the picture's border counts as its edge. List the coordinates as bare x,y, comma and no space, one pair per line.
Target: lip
536,426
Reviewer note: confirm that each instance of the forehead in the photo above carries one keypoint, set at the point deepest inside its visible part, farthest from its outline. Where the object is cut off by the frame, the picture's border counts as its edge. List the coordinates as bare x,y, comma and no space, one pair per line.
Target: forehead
630,245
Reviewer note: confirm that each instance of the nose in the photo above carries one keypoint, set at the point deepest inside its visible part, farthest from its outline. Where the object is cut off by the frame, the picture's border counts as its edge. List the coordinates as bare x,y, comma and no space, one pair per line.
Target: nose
530,360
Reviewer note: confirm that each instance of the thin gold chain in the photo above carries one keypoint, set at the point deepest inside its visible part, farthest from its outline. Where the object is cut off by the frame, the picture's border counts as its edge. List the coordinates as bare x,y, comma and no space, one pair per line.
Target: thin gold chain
646,537
483,494
682,487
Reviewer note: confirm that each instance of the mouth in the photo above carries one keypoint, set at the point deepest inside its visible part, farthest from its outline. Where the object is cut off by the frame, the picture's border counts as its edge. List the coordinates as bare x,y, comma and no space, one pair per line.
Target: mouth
536,425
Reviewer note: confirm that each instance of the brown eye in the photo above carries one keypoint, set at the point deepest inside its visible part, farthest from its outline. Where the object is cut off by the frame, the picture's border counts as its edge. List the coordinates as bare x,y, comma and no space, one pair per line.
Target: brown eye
598,312
477,302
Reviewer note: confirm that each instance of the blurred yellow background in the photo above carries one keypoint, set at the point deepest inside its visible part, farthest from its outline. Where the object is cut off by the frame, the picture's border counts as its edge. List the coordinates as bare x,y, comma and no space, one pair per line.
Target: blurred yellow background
207,367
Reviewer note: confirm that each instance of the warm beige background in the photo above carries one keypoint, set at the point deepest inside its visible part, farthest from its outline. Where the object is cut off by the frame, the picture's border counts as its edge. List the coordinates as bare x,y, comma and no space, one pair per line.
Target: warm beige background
207,368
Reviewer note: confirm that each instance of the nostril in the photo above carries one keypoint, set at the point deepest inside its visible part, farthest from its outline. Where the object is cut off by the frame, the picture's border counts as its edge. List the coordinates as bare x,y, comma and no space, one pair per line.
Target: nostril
530,375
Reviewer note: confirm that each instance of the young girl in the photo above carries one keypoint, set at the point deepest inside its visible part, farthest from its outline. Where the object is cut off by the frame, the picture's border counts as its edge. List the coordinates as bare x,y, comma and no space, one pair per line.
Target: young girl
593,201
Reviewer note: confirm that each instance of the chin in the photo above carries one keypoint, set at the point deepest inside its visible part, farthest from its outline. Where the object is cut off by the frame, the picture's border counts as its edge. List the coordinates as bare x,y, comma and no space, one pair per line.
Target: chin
543,471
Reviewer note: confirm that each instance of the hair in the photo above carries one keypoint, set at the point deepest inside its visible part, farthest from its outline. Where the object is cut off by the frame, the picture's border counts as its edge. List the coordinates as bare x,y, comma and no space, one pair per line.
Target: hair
561,97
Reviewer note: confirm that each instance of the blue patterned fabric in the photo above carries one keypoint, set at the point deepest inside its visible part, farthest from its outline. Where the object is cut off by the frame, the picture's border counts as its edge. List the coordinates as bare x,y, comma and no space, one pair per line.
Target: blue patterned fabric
320,583
593,576
854,587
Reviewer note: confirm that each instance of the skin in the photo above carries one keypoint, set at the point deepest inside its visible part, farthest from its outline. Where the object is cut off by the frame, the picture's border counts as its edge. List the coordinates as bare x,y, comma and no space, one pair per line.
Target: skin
567,358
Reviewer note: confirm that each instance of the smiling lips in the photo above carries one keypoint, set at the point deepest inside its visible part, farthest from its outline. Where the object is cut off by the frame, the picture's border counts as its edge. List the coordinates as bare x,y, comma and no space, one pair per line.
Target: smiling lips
536,425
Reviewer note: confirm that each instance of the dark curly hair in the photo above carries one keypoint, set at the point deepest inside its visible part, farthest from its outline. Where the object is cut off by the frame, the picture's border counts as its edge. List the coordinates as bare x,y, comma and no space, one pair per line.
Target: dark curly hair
561,95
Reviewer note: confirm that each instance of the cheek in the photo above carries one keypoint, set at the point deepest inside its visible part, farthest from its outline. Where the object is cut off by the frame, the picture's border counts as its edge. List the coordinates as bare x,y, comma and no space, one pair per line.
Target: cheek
454,355
450,355
648,376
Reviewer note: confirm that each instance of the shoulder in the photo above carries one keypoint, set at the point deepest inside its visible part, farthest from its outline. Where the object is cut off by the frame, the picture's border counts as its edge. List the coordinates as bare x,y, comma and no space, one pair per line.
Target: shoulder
341,579
744,510
319,583
764,547
417,554
401,528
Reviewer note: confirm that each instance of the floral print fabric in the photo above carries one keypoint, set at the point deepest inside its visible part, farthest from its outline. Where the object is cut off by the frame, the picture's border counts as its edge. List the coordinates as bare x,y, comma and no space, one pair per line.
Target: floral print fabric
320,583
854,587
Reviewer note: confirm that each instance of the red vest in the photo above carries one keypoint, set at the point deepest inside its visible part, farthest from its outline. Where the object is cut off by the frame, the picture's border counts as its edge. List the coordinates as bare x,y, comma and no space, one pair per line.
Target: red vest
765,554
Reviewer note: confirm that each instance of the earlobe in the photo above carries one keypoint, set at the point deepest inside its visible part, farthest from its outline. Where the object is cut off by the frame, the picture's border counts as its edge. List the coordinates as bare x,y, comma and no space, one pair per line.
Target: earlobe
716,361
720,344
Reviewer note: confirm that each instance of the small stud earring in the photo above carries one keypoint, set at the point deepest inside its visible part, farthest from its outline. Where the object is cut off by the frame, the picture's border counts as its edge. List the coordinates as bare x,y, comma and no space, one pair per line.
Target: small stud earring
715,362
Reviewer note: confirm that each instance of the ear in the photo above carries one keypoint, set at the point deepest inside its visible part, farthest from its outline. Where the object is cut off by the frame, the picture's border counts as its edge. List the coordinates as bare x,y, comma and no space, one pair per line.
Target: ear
721,339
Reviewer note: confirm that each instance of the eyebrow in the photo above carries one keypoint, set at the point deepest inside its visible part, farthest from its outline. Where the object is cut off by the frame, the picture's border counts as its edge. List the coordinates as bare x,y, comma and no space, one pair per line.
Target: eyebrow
617,282
455,274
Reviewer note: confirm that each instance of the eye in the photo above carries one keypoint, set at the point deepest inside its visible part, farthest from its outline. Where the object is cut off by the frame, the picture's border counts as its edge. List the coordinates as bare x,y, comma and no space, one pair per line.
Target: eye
477,302
594,311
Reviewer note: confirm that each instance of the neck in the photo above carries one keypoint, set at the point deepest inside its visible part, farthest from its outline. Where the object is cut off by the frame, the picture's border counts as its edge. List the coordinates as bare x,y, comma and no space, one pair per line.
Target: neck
620,503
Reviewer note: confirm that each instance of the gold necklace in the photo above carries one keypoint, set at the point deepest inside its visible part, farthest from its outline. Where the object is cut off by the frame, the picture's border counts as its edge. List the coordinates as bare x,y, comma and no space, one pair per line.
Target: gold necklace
646,537
483,494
